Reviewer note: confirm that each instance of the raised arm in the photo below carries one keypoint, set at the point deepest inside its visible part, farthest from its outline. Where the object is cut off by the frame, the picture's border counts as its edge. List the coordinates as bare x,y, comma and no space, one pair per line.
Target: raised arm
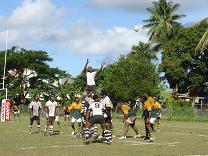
101,68
85,67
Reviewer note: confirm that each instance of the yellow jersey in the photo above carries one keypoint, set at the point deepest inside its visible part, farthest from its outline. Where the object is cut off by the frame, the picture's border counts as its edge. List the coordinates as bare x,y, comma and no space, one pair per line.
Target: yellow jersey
75,106
125,109
157,105
147,106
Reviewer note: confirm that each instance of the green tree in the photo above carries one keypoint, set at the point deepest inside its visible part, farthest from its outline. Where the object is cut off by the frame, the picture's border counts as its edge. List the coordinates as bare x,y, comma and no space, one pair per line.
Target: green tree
163,19
33,73
184,67
131,75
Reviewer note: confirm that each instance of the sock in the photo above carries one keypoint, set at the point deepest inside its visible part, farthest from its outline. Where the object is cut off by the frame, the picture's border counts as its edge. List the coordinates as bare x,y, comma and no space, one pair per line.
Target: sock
50,129
87,133
158,127
46,127
107,135
95,131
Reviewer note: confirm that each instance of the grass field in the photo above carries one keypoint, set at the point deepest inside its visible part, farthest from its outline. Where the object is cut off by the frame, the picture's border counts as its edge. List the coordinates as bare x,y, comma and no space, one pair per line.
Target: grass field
175,138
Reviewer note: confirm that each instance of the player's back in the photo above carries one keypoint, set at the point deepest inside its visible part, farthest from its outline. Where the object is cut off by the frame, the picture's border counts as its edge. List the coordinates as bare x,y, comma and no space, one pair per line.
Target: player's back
97,108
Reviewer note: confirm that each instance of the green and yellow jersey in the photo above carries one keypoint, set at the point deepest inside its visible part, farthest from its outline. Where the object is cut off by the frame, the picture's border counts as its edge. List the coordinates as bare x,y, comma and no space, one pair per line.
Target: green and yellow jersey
155,109
126,110
76,110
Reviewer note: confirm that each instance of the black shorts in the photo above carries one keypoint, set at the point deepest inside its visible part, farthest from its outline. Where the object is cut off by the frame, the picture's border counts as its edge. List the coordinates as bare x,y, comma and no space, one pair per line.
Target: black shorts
97,119
66,113
108,120
51,119
36,118
90,88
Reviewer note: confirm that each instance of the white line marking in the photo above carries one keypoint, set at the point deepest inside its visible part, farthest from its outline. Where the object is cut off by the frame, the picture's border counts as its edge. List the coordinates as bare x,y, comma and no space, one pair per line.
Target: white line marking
46,147
135,143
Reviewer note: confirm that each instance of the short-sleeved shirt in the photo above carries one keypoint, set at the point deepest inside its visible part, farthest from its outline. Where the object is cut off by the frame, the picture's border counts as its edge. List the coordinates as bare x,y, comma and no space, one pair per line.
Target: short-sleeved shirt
35,106
97,108
155,109
126,110
76,110
107,102
91,78
51,108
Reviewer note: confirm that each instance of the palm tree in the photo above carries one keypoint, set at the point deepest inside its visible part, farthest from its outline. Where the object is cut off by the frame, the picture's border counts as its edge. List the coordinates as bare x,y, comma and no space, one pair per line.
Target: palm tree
203,43
162,20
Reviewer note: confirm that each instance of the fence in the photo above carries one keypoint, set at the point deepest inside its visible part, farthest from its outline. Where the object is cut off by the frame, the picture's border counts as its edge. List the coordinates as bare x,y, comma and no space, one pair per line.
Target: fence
197,102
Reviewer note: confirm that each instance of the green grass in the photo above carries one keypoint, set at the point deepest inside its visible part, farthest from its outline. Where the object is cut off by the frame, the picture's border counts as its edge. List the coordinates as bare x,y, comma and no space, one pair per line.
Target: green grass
175,138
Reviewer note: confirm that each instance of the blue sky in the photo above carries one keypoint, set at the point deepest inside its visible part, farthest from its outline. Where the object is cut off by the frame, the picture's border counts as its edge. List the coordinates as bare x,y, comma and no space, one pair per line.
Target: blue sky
73,30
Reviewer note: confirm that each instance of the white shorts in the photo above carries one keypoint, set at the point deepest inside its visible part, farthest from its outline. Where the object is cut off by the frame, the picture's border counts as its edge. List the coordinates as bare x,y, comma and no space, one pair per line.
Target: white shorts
131,120
66,116
57,119
152,120
73,120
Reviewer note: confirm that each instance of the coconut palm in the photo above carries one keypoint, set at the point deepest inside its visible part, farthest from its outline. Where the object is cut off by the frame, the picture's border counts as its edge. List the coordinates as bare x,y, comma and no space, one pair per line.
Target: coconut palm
162,20
203,43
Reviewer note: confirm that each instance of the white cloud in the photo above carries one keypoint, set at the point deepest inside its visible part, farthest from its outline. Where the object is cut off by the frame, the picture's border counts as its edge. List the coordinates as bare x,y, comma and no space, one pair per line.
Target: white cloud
39,23
110,41
39,13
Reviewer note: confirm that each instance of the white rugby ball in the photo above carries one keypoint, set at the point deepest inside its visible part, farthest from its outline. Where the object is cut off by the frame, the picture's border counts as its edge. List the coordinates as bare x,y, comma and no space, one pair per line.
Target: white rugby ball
136,28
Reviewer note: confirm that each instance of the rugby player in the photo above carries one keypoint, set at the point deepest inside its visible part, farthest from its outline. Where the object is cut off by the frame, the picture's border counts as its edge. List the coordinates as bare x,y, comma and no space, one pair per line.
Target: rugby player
147,109
66,114
34,110
95,116
76,117
156,115
90,74
106,101
50,109
129,119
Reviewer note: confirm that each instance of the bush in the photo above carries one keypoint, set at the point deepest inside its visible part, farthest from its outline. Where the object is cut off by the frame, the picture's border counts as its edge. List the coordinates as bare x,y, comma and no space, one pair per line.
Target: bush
181,110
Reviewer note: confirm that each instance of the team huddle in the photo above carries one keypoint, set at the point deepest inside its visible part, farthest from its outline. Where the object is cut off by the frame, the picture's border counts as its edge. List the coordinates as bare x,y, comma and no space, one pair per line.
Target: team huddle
91,109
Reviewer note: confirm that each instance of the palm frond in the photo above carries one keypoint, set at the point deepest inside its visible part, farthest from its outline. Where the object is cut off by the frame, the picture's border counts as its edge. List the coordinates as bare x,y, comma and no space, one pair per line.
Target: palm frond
203,43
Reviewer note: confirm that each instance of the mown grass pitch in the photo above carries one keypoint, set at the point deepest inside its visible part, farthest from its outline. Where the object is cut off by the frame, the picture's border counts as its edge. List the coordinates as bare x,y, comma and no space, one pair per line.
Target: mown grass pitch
175,138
